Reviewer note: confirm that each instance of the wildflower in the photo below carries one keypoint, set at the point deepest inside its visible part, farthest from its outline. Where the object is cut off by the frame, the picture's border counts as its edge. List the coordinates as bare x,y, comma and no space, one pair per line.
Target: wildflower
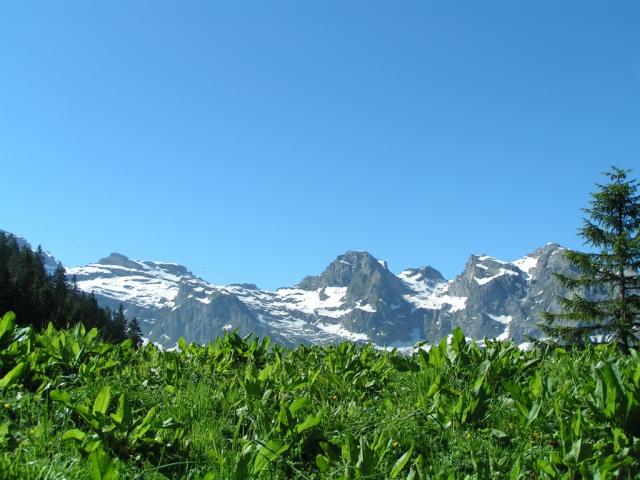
7,406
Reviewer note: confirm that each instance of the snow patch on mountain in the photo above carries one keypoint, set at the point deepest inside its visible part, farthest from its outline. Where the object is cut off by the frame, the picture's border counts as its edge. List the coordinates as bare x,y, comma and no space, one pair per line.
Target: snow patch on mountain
325,301
337,329
501,272
526,264
149,285
432,295
485,258
506,321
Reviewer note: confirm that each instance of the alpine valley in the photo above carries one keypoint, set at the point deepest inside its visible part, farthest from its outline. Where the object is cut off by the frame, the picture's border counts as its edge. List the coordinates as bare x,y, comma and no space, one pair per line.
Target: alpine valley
355,298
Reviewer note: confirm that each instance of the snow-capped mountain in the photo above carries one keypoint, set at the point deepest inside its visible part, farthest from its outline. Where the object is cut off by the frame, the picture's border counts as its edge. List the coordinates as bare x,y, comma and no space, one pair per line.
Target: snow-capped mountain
355,298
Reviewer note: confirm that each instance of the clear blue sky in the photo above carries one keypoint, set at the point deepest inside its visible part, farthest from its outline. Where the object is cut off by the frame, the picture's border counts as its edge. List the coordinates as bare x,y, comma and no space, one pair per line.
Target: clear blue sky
256,141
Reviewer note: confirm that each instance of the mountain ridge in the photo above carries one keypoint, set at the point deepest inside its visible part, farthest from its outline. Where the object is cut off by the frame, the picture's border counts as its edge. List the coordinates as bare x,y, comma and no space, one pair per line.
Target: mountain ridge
356,297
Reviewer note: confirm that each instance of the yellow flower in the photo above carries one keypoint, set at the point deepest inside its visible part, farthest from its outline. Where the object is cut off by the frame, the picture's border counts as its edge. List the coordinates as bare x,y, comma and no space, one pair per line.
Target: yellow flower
7,406
394,444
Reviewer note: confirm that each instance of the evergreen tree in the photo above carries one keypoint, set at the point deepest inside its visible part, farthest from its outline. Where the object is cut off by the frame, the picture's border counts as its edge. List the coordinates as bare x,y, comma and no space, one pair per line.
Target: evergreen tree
134,333
612,227
60,293
38,298
119,325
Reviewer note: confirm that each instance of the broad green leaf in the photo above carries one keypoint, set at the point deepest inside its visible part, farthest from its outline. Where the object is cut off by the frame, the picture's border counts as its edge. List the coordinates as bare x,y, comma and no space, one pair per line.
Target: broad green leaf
498,433
573,457
400,463
7,324
533,413
309,422
322,463
266,372
12,376
91,334
436,357
92,446
458,341
123,413
515,471
482,373
435,386
75,348
268,452
546,467
74,434
536,385
102,468
109,365
299,403
614,390
348,450
4,432
242,467
101,404
149,417
366,463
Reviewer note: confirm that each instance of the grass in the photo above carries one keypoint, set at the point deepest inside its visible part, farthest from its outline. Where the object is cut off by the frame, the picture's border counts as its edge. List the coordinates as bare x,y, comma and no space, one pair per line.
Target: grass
241,408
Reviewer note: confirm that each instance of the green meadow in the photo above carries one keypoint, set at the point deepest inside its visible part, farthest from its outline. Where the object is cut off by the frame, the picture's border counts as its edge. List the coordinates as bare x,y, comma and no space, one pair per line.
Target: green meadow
74,406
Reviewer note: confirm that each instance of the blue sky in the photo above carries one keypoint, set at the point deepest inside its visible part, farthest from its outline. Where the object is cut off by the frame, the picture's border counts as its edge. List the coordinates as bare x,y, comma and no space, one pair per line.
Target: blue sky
256,141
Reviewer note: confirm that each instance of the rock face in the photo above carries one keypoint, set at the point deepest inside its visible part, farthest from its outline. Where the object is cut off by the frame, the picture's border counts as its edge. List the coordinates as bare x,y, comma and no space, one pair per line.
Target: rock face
355,298
505,299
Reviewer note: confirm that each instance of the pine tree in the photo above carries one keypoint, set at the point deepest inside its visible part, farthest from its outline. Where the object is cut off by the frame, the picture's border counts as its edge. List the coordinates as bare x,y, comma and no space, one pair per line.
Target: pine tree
134,333
612,227
119,325
38,298
60,293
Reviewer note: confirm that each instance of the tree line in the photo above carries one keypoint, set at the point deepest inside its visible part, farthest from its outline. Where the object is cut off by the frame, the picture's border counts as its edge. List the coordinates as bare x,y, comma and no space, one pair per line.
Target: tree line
39,298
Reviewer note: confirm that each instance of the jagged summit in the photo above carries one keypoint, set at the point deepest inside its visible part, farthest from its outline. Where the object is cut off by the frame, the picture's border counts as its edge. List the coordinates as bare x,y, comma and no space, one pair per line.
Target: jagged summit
426,273
120,260
346,269
356,297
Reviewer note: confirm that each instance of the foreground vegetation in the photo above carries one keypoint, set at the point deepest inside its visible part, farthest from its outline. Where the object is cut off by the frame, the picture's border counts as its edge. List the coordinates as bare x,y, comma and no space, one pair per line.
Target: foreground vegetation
74,406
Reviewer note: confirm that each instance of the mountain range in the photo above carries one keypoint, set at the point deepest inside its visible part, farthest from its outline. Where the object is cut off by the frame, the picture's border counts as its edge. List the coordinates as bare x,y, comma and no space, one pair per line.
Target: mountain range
357,297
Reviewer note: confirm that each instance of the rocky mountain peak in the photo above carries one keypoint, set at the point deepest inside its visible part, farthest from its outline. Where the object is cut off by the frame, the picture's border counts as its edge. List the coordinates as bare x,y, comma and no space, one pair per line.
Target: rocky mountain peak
345,269
537,261
485,267
421,274
172,268
356,297
120,260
